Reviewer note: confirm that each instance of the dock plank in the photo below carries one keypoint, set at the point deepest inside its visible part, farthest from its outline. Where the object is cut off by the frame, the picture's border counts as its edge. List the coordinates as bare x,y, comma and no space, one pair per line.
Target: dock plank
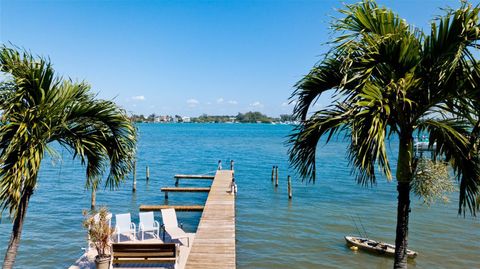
176,207
214,245
187,189
193,177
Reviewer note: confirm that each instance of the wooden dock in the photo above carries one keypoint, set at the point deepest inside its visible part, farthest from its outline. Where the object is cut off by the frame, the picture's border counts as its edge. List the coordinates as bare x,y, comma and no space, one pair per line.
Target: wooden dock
191,177
188,189
194,176
214,244
166,190
176,207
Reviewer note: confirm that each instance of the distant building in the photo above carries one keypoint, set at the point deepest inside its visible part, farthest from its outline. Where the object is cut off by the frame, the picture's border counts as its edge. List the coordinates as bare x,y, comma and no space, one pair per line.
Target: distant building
186,119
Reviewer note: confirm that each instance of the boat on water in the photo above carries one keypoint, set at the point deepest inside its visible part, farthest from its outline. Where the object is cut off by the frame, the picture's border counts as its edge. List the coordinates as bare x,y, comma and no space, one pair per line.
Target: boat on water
424,146
380,248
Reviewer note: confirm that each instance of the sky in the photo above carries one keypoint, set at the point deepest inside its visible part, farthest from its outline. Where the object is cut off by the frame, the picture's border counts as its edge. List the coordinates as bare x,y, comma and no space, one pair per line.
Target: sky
187,57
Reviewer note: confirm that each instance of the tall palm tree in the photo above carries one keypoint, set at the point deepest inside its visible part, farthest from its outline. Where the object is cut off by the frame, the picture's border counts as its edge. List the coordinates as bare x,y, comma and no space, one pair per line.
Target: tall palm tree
39,108
391,79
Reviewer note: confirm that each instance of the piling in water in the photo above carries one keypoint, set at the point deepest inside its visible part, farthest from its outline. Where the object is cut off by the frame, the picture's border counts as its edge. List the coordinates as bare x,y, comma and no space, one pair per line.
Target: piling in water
148,173
289,187
231,165
273,172
134,189
276,176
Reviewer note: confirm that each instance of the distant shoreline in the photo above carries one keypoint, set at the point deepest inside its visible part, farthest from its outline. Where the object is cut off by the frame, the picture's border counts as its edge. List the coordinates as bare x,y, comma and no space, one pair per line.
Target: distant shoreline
266,123
249,117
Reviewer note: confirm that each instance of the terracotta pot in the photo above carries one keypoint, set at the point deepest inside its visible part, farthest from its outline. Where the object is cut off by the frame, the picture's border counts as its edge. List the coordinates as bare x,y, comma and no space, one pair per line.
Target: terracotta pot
102,262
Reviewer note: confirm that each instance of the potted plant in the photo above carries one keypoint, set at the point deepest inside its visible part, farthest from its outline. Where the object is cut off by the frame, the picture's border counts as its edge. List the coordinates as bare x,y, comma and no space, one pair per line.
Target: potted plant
97,224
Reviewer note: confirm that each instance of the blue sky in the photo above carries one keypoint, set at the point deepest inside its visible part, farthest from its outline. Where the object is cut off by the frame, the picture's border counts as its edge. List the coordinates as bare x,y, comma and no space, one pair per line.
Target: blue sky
186,57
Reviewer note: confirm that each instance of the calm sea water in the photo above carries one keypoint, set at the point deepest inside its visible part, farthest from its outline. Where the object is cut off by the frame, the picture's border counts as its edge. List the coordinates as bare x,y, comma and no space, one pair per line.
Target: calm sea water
272,232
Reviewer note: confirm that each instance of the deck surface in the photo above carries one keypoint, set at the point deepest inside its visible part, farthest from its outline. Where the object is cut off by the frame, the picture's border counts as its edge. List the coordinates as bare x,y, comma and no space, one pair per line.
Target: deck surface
187,189
87,260
177,207
214,245
193,177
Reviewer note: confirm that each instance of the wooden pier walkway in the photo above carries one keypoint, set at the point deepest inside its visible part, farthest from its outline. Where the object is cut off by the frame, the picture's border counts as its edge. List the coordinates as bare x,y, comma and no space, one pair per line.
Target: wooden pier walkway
214,244
188,189
176,207
194,176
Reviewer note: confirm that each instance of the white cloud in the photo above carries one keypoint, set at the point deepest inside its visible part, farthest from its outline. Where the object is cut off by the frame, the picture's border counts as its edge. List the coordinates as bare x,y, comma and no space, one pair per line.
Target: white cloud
284,104
232,102
138,98
192,102
256,104
220,100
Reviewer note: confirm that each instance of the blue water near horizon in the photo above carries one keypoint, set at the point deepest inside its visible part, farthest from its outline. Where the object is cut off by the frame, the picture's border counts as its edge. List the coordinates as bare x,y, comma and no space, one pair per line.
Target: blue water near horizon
272,232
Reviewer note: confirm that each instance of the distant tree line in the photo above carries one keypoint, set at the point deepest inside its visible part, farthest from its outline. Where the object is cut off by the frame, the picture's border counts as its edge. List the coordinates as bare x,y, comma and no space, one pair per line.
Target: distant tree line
248,117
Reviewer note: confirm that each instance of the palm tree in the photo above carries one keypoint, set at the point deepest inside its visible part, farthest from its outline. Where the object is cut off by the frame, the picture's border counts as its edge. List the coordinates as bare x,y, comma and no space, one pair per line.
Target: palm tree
391,79
39,108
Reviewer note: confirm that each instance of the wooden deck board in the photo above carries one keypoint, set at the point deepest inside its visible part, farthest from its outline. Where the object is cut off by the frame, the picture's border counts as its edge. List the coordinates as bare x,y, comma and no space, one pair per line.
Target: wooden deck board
189,189
193,177
214,245
177,207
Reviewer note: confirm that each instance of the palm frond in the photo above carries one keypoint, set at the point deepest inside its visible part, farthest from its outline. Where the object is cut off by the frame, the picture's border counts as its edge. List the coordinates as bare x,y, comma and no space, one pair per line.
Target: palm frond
452,142
304,139
39,108
326,76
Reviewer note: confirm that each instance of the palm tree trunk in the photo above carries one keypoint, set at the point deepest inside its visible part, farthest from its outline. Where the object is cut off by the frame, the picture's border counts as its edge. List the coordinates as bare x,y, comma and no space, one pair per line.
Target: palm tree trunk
404,176
17,230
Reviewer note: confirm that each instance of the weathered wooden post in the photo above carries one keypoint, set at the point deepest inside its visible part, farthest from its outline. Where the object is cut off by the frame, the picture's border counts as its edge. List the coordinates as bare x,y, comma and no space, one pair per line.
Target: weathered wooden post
289,187
166,195
219,165
148,173
134,189
276,176
231,165
273,172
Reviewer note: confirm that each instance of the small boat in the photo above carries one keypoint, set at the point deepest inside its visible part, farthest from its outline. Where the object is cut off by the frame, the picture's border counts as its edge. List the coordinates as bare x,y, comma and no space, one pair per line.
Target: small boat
375,246
424,146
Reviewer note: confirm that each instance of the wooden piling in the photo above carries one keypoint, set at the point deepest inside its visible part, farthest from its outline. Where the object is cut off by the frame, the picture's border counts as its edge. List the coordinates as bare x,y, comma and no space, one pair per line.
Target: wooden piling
273,172
134,189
148,173
231,165
276,176
289,187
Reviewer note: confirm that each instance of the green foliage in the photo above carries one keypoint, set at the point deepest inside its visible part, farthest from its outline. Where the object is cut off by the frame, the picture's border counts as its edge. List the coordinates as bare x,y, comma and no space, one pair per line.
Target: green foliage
253,117
138,118
204,118
287,118
432,181
39,108
391,79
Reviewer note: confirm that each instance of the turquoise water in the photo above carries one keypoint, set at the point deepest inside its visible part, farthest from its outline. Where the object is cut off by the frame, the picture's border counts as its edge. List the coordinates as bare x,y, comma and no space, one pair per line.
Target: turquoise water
272,232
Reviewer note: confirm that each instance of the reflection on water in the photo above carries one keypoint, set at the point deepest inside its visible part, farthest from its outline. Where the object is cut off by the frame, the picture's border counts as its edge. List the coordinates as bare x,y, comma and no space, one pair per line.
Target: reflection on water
272,232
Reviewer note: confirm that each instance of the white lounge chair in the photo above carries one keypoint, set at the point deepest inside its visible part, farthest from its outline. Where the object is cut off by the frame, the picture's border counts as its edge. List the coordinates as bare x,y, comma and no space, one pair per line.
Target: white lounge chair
148,224
170,223
124,225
